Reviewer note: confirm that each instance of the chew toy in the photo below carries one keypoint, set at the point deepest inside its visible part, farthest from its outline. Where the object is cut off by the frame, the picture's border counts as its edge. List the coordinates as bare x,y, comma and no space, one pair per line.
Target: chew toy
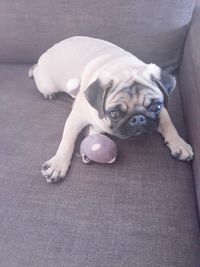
98,148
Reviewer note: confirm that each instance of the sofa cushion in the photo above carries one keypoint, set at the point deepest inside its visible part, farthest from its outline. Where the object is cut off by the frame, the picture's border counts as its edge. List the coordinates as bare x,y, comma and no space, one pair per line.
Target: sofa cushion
140,211
153,30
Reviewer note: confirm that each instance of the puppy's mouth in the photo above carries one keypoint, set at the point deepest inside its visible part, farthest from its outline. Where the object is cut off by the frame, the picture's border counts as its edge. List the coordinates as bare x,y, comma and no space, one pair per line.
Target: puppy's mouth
127,132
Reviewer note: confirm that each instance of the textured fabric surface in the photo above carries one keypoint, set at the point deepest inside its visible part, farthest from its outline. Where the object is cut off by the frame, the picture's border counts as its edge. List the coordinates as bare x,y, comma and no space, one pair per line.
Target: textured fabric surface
140,211
153,30
190,82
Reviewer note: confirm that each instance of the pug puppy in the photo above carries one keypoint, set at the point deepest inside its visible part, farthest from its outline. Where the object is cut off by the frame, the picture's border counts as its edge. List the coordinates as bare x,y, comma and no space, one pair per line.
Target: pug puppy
114,91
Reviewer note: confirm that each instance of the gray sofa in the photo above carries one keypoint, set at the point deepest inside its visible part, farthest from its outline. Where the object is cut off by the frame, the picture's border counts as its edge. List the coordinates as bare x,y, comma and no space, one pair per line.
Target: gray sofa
142,210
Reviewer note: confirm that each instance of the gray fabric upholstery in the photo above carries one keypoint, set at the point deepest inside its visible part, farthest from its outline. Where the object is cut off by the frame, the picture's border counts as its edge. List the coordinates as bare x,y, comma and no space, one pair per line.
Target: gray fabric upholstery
153,30
190,85
140,211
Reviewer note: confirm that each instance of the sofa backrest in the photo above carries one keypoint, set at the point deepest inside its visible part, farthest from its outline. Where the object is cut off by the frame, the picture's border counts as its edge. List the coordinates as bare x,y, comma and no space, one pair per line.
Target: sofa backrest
153,30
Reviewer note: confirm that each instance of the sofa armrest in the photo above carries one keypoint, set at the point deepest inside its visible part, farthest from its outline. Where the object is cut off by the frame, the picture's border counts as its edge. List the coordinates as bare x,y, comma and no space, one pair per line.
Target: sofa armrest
190,92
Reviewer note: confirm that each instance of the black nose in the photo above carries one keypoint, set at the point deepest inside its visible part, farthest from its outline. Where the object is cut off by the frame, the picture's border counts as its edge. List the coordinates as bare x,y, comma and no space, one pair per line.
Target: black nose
138,120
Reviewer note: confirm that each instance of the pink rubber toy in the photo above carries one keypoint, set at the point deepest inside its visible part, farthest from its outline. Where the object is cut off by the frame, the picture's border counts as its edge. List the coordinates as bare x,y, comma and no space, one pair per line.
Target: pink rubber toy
98,148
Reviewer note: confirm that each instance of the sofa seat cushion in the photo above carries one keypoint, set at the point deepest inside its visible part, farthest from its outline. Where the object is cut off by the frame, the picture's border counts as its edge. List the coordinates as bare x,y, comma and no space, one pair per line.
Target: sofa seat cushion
140,211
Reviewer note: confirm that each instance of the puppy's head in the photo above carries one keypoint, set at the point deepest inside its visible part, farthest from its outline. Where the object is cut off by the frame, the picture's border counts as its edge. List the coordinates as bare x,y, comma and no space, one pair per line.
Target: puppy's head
131,104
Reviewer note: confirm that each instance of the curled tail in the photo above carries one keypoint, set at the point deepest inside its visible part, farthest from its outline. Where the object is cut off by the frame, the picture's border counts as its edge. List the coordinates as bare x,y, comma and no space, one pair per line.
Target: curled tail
31,71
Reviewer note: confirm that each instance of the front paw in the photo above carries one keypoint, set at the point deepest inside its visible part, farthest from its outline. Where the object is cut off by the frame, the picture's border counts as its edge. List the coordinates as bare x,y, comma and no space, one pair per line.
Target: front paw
179,148
55,169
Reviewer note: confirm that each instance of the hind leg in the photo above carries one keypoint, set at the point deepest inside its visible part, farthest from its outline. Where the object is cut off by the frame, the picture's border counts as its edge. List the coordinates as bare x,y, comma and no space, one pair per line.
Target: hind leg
43,82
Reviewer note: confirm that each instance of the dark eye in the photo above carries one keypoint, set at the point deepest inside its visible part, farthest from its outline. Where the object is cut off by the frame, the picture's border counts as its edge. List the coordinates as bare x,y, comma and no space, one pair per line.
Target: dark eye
115,115
155,108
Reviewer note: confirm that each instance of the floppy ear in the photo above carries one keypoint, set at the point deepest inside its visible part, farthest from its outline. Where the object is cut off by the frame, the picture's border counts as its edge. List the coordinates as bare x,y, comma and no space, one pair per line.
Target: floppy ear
166,83
96,93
